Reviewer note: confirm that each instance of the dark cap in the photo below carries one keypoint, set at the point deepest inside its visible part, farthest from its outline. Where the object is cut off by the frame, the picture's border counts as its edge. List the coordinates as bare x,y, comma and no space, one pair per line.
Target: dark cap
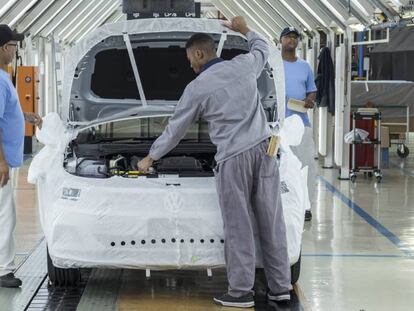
289,30
6,35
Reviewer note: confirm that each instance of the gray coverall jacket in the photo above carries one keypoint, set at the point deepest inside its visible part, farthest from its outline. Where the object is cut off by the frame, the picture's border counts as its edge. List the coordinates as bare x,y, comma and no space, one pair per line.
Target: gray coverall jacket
248,183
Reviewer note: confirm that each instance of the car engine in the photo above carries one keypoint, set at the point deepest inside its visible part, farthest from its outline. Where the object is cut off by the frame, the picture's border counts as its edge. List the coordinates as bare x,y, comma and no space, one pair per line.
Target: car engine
127,166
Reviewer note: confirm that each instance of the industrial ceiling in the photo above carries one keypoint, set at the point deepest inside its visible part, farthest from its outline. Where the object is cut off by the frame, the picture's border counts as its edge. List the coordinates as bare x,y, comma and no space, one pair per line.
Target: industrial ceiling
70,20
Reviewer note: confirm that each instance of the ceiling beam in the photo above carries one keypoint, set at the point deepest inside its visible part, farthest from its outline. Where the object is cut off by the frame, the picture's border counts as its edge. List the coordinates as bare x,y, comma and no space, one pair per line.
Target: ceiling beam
280,12
13,16
307,19
73,18
380,5
260,12
355,11
99,21
59,18
253,17
34,15
89,19
321,10
5,7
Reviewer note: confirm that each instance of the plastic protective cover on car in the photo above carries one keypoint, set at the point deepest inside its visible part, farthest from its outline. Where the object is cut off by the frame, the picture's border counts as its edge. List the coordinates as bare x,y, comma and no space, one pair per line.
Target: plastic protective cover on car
159,25
156,223
293,177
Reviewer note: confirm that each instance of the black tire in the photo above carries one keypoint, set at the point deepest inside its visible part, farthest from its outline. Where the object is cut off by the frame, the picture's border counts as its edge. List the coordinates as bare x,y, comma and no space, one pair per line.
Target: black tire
295,270
403,153
62,277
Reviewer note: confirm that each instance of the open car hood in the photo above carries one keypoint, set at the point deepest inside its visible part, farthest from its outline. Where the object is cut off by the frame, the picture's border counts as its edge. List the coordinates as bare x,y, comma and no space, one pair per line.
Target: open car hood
99,82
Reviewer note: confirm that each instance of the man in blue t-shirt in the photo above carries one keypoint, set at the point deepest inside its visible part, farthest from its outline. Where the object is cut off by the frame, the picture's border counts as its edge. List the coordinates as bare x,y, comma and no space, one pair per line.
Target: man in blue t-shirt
300,85
11,153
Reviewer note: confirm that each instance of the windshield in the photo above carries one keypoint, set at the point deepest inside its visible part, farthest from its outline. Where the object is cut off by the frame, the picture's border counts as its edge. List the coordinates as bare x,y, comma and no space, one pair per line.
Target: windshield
140,129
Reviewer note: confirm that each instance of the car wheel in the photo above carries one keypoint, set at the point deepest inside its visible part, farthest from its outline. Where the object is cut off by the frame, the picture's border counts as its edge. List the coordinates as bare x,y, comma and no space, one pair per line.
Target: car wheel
295,270
62,277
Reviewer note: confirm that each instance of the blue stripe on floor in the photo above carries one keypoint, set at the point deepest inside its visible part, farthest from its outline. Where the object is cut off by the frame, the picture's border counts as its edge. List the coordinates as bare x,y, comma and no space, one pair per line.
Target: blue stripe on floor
369,219
355,255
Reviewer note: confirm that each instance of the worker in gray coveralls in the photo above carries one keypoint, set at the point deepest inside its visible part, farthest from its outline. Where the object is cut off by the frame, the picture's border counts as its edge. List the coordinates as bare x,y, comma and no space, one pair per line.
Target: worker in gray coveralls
225,95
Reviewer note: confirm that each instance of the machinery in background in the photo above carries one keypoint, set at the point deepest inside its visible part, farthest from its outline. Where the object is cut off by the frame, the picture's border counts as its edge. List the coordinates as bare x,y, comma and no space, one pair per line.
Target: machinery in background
363,150
27,82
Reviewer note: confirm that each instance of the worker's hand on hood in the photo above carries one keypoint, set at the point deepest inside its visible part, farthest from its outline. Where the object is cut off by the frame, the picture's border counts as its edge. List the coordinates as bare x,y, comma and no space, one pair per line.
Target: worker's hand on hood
237,24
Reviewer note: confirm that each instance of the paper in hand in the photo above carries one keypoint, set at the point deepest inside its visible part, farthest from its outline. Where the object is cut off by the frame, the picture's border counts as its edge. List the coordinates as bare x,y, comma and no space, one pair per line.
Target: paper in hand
297,105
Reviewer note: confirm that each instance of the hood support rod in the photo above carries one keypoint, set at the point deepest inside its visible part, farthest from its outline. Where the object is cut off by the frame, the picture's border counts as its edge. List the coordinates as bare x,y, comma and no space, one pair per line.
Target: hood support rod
223,39
135,69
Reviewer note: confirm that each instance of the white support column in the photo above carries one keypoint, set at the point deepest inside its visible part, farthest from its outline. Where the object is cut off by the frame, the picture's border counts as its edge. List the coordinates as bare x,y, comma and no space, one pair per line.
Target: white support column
311,52
344,173
340,81
326,129
316,46
31,52
47,76
42,76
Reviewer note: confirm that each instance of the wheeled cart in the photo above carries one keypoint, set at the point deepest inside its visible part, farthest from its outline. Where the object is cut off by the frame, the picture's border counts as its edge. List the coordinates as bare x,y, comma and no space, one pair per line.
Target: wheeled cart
363,151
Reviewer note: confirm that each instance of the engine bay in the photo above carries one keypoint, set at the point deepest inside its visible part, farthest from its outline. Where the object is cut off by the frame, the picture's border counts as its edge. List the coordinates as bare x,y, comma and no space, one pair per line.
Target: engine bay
102,164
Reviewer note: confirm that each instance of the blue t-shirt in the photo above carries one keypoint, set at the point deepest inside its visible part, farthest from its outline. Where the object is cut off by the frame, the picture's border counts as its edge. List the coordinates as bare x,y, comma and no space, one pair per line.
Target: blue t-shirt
11,122
299,81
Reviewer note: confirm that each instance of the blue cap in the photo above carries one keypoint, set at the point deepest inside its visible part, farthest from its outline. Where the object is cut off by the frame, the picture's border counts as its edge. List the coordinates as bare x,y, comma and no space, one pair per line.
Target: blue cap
6,35
289,30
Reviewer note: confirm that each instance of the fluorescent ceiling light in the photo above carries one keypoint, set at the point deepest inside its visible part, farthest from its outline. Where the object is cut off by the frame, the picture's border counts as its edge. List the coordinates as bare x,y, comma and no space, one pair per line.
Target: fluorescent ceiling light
228,9
103,15
97,15
334,11
264,21
296,14
67,12
397,3
308,8
255,21
18,16
53,16
360,7
357,27
268,15
80,14
7,6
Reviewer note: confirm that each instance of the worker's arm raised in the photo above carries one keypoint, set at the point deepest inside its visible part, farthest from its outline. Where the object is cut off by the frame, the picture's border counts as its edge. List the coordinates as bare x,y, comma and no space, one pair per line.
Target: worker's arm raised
259,48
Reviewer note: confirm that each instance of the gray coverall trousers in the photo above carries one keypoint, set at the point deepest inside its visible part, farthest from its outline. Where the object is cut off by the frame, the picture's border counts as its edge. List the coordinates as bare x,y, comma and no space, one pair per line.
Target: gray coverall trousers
247,182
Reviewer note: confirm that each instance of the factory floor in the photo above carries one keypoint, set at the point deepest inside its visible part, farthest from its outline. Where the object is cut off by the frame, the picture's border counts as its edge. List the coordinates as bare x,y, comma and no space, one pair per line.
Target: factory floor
358,254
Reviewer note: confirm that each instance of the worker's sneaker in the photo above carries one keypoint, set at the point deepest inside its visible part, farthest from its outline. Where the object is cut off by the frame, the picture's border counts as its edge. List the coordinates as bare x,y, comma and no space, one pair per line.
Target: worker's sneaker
9,280
308,215
282,297
226,300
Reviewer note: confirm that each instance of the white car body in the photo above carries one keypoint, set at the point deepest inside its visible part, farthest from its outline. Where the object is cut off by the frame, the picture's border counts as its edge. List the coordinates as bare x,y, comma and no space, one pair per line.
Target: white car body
169,222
